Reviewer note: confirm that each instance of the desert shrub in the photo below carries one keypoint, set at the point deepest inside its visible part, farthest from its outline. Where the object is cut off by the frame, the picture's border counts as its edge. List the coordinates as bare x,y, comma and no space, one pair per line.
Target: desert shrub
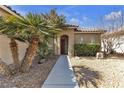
86,49
44,50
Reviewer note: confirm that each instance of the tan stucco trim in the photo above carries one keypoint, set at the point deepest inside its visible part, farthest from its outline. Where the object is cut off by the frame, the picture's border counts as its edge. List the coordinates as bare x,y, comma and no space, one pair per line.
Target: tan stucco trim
9,11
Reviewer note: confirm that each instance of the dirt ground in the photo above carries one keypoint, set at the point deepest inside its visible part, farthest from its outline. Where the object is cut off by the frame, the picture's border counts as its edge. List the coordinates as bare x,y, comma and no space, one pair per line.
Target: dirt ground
99,73
33,79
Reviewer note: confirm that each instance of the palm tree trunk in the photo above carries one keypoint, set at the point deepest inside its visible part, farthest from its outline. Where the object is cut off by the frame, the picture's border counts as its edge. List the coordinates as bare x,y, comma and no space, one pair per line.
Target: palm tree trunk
30,54
54,44
14,50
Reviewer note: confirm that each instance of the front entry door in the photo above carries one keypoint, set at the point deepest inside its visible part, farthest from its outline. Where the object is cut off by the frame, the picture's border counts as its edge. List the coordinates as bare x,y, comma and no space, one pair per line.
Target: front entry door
64,44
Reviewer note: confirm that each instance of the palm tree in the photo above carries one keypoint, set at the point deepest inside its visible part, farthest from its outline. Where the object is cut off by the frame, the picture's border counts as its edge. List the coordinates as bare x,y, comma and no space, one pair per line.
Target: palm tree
58,21
9,28
31,28
35,26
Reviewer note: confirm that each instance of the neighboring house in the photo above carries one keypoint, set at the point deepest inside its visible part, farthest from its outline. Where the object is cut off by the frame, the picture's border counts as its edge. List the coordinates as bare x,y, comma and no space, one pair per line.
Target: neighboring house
113,41
63,43
5,52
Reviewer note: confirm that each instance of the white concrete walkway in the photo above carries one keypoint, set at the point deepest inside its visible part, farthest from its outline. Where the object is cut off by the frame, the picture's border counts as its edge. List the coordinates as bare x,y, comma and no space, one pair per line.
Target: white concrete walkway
62,75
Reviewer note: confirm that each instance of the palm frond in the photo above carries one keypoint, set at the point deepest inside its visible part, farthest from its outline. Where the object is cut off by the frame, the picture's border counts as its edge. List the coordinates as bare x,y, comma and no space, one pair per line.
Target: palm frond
32,24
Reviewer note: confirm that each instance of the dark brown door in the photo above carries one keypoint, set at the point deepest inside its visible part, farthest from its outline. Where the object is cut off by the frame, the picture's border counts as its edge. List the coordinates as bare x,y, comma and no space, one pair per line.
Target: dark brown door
64,44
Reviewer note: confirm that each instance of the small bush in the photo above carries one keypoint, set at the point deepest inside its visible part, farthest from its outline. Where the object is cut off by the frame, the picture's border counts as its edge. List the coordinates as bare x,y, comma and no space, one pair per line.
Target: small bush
44,50
86,49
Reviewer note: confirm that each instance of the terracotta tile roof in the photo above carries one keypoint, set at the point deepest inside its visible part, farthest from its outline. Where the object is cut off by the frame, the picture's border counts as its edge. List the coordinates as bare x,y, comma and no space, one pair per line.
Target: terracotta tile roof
90,31
69,25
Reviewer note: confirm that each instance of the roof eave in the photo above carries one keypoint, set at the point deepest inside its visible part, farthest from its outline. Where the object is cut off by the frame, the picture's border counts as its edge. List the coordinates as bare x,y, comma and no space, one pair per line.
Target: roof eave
10,11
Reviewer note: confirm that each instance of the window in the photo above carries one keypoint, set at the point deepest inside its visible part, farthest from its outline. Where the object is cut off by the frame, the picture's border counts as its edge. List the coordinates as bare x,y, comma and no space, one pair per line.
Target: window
81,41
92,40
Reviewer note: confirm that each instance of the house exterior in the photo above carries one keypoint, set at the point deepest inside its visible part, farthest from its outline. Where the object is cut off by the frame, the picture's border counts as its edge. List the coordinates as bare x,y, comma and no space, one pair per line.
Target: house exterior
62,43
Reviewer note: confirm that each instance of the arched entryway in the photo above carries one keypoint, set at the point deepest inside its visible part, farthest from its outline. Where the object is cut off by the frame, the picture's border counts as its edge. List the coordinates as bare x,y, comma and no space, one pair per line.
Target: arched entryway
64,44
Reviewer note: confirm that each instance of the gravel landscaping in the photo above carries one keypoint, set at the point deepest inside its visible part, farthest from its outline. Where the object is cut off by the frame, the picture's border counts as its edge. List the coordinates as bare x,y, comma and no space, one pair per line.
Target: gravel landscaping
102,73
33,79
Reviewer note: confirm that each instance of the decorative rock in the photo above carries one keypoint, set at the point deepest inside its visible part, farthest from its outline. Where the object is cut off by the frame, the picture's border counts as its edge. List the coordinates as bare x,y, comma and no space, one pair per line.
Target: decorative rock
4,69
77,58
41,61
99,55
13,68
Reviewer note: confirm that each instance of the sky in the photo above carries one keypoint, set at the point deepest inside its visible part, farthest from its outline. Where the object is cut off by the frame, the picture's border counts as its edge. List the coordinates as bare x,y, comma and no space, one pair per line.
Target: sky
86,16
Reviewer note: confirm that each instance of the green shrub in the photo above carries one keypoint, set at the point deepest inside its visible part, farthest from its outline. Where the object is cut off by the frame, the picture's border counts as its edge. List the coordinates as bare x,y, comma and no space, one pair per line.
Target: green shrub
44,50
86,49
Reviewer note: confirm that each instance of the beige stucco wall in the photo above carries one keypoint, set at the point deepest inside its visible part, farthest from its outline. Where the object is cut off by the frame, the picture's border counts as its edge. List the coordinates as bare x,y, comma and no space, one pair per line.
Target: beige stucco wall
5,51
87,38
70,34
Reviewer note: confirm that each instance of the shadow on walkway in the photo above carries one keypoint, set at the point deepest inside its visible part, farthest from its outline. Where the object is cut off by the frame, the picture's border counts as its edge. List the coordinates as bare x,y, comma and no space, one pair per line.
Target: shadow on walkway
86,77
